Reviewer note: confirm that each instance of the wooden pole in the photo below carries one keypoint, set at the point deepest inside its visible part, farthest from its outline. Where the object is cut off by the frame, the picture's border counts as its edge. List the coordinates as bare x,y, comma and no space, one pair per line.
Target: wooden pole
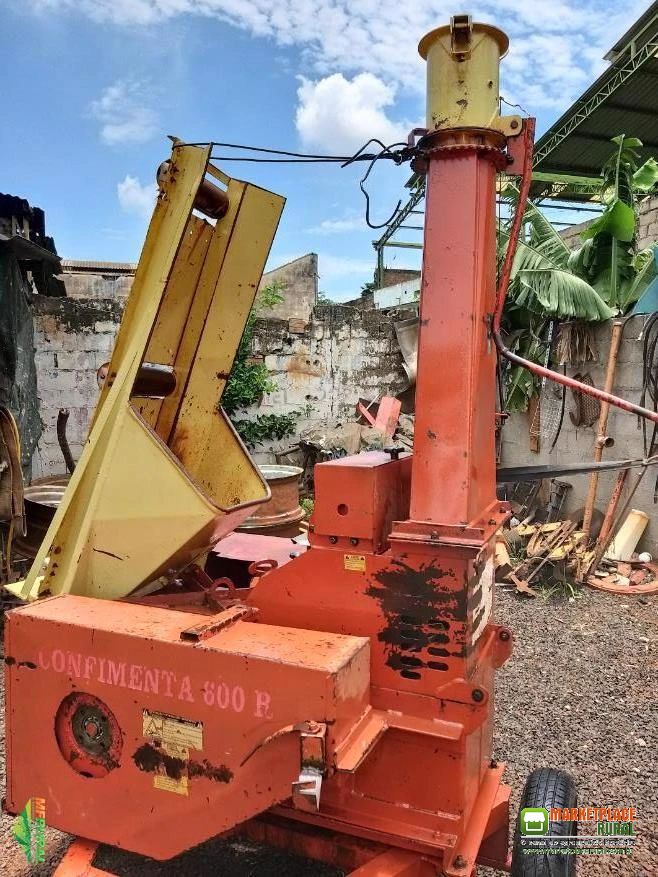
601,438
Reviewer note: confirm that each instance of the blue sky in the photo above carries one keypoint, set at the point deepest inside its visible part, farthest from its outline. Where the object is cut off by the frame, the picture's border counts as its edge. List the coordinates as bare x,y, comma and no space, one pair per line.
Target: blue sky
98,84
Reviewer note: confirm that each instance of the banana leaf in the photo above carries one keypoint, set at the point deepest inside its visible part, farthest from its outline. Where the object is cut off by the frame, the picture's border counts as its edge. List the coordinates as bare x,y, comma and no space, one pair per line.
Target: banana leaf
544,237
618,220
646,177
544,287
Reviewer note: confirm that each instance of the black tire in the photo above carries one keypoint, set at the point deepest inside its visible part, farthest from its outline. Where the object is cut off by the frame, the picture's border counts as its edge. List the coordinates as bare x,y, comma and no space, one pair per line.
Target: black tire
547,788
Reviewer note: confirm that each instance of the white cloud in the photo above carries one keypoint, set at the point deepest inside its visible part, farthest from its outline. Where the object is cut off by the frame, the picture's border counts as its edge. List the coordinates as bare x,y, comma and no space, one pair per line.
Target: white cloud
339,115
351,221
124,114
330,267
556,46
135,198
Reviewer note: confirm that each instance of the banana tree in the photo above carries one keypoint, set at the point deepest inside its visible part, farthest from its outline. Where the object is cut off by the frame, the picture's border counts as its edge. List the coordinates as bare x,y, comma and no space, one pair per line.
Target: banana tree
609,259
542,288
604,277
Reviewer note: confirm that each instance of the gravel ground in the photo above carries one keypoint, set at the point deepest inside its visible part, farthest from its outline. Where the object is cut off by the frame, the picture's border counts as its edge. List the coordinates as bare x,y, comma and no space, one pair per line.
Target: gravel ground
578,693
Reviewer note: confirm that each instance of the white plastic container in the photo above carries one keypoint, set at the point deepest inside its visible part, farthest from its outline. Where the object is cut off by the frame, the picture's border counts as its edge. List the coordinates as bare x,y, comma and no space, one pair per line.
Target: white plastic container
625,542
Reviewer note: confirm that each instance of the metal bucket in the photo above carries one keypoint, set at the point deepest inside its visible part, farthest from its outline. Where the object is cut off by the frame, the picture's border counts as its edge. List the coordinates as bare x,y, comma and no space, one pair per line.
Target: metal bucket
280,515
41,500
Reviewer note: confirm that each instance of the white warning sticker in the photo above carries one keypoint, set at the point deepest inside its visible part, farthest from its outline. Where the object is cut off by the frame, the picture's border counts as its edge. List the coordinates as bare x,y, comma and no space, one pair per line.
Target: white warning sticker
172,729
173,737
482,612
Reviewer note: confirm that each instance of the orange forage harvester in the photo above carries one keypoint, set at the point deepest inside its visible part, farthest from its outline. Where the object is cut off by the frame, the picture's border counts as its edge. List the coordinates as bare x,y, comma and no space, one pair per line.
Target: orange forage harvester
338,702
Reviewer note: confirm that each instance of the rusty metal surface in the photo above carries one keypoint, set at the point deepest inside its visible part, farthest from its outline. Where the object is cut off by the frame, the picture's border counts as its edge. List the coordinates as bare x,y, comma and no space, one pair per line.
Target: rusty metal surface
147,496
454,461
41,499
281,514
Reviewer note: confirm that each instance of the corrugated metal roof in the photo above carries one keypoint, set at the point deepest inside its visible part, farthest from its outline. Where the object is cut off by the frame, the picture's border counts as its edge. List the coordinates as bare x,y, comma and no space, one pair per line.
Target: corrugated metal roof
73,266
631,108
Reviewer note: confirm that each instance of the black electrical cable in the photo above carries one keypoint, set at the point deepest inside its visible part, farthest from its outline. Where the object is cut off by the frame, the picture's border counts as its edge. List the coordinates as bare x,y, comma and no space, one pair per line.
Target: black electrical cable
386,151
562,408
302,157
336,160
649,377
397,152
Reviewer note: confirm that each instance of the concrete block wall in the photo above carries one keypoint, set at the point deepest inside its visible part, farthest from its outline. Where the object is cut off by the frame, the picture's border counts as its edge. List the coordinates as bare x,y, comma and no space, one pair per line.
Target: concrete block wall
99,286
299,278
328,364
576,444
324,365
648,226
72,338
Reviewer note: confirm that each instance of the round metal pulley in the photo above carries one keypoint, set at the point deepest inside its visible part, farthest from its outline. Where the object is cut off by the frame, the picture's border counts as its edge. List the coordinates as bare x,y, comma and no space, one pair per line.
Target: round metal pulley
88,735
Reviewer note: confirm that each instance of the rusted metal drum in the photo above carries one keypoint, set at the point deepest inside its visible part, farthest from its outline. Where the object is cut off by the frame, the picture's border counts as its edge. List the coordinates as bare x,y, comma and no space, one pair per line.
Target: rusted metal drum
41,500
279,516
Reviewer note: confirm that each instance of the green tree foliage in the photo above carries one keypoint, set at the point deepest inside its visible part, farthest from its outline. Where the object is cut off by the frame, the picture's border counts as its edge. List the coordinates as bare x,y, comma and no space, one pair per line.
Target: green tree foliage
604,277
250,380
609,259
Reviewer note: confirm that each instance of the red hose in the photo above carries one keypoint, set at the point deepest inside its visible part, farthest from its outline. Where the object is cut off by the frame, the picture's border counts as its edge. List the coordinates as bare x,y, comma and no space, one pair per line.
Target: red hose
501,295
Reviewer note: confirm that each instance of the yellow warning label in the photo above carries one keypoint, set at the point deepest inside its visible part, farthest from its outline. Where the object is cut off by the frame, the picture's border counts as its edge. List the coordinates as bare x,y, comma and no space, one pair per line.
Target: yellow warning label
355,562
167,784
175,737
173,730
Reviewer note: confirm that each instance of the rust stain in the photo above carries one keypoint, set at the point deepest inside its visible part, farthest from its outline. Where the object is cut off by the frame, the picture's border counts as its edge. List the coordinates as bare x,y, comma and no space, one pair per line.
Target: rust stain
108,553
301,365
151,759
10,662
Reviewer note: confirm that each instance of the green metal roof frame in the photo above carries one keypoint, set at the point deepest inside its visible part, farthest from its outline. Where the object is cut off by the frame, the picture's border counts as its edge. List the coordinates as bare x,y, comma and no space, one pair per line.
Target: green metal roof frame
623,100
569,156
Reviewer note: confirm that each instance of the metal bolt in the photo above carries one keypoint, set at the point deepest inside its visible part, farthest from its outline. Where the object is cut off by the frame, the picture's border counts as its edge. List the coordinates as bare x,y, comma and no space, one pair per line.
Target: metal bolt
333,539
460,862
354,541
478,695
434,534
504,635
514,124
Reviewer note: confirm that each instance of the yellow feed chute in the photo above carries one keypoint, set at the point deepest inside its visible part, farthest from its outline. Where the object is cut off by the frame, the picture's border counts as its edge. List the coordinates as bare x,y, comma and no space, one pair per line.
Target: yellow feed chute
163,475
